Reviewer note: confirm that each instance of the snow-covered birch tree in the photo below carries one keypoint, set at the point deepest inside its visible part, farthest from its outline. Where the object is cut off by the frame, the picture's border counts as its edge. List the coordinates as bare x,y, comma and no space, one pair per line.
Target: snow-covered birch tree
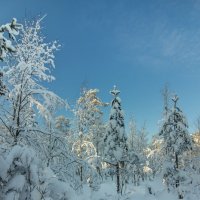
29,66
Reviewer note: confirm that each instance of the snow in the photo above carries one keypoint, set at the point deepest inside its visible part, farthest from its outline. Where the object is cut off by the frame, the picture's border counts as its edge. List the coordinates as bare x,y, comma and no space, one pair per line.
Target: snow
118,153
107,191
17,183
5,44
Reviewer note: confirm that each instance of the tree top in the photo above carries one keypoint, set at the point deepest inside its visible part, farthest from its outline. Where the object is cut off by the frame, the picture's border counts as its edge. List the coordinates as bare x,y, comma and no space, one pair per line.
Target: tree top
175,98
115,91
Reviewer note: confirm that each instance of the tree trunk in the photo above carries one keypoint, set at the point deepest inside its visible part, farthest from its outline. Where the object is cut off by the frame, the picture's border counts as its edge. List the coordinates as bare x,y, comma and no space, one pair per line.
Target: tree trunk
176,163
81,174
118,178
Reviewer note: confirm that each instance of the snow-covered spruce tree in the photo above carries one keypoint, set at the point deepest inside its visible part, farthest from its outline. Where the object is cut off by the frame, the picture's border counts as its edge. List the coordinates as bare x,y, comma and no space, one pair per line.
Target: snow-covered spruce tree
176,142
115,152
166,96
5,44
155,153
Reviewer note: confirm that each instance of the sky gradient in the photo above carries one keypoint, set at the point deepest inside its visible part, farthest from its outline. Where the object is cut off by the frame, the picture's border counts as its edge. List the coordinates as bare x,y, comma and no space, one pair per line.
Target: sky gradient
138,45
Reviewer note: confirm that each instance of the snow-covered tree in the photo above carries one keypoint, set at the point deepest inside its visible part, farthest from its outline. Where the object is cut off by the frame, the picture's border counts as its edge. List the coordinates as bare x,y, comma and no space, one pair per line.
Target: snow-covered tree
132,136
88,111
31,64
2,85
137,146
89,128
176,142
63,124
156,155
23,141
196,152
133,166
166,96
115,140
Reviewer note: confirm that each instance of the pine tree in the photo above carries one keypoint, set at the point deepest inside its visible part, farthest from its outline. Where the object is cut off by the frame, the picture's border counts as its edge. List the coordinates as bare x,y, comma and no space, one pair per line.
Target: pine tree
115,140
176,142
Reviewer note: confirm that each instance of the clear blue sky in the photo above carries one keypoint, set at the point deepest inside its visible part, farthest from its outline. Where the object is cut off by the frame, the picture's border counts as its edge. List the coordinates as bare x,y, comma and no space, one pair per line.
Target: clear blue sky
139,45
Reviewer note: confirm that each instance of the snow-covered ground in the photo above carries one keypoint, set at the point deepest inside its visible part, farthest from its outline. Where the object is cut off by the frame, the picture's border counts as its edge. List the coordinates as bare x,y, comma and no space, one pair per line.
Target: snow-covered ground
107,191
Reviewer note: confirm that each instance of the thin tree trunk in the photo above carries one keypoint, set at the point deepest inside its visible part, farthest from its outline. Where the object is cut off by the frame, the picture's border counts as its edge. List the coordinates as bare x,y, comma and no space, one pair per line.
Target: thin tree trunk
118,178
81,174
176,163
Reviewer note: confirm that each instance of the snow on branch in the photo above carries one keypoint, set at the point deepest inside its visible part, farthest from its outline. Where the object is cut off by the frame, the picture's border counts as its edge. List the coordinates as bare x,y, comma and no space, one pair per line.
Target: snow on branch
5,44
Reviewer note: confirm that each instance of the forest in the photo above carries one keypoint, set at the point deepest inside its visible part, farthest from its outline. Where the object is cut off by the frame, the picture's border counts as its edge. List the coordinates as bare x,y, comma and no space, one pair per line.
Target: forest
48,156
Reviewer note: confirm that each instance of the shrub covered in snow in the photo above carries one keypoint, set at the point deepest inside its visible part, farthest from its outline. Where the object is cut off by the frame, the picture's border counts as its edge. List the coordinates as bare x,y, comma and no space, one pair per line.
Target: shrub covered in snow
23,177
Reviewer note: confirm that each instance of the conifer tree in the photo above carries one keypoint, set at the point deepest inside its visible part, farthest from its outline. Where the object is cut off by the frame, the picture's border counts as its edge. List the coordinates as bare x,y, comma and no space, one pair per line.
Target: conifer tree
115,139
177,141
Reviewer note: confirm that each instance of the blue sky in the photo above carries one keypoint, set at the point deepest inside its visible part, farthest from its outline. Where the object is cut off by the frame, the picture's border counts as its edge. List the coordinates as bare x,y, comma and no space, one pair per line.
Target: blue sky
139,45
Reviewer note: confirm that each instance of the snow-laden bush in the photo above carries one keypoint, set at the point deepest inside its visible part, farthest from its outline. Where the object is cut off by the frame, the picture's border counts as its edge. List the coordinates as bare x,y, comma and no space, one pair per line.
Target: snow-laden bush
22,177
